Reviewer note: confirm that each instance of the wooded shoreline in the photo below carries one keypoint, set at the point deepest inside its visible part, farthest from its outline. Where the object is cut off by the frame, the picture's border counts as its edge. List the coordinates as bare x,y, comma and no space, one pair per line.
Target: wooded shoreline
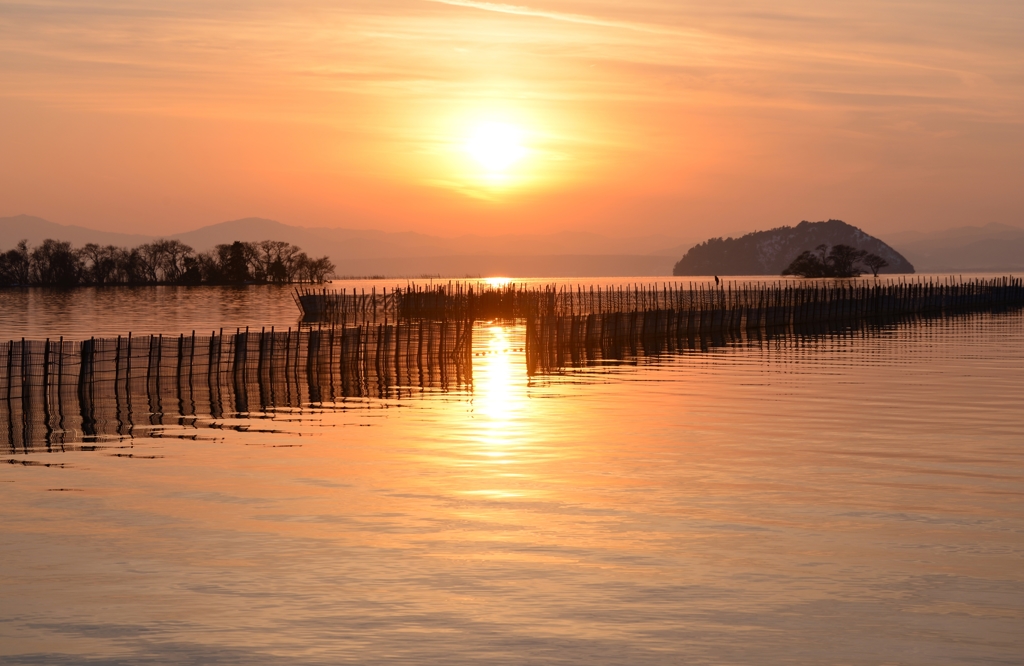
162,262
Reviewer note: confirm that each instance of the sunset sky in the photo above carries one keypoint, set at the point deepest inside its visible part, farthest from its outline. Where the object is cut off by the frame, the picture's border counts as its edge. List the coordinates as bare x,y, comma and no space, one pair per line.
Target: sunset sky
456,116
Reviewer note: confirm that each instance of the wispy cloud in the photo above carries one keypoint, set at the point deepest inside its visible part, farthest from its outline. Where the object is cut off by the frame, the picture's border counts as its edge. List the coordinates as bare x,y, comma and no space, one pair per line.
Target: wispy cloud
521,10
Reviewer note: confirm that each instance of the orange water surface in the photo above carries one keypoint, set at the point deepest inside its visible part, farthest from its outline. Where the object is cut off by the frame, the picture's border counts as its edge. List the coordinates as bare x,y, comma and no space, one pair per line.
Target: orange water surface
844,499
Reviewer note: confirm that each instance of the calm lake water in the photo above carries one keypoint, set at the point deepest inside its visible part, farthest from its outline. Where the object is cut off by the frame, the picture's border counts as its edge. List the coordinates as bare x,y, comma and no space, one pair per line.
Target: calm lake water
854,498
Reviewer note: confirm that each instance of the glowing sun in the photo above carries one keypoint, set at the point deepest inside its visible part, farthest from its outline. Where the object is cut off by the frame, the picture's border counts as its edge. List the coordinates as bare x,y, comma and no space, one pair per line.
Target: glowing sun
496,146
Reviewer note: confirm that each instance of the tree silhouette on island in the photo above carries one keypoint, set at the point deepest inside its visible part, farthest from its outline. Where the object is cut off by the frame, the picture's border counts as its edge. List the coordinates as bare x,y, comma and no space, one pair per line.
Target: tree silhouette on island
839,262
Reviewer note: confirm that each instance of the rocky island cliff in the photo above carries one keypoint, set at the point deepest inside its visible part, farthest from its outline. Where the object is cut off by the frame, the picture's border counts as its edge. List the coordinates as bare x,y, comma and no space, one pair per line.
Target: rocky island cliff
769,252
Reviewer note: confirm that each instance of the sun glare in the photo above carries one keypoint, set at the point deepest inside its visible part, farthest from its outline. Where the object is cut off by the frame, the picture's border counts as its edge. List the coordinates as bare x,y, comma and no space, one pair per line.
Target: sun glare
496,146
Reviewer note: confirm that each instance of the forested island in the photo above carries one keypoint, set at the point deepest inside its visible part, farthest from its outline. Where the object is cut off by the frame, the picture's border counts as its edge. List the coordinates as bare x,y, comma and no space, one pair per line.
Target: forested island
773,251
163,262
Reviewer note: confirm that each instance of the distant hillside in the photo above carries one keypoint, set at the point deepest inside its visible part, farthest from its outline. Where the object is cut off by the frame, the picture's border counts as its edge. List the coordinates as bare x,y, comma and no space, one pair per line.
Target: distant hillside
35,230
769,252
991,247
516,266
358,252
364,244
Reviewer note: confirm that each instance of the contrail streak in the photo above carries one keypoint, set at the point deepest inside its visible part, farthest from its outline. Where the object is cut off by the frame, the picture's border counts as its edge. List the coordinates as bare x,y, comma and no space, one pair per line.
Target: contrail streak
556,16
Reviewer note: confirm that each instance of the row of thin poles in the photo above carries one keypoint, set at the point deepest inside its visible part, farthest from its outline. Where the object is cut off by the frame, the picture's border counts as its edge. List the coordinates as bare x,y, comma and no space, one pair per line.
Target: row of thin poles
780,301
56,391
455,300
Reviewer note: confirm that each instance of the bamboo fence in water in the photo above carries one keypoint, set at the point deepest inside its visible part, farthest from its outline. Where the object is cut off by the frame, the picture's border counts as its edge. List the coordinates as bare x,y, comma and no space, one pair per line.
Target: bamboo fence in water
456,300
712,307
653,322
60,392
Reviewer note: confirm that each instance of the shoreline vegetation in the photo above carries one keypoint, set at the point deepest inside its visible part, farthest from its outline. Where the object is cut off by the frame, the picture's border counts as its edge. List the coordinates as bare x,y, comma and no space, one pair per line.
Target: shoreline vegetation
56,263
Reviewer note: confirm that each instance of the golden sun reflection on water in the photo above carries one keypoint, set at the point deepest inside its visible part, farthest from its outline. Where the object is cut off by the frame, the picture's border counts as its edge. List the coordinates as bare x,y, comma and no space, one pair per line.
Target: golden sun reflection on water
500,409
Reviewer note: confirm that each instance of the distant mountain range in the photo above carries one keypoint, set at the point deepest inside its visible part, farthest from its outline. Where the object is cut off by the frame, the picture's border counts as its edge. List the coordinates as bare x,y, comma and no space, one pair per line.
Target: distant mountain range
769,252
360,252
992,247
